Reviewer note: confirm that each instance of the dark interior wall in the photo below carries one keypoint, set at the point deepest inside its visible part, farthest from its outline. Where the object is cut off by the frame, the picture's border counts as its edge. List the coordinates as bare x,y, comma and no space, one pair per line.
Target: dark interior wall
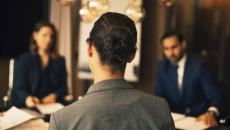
153,27
78,87
211,42
17,20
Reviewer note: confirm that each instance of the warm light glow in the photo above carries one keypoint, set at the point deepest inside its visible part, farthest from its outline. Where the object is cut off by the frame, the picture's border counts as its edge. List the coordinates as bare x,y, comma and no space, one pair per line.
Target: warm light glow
167,3
67,2
214,3
135,11
91,9
99,6
93,4
84,11
85,14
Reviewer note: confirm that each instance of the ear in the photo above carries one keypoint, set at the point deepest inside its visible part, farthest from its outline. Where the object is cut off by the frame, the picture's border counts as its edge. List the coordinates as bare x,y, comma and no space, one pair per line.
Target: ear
90,49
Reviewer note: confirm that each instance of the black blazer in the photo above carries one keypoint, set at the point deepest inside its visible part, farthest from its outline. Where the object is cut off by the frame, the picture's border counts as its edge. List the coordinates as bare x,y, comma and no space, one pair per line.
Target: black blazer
27,77
199,91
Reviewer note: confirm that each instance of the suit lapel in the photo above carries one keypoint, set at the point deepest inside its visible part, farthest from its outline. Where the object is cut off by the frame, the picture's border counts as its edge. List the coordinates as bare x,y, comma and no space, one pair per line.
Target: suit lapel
173,83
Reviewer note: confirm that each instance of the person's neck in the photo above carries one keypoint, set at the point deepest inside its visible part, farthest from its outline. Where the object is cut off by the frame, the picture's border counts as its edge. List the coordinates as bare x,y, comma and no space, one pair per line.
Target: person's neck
104,74
42,53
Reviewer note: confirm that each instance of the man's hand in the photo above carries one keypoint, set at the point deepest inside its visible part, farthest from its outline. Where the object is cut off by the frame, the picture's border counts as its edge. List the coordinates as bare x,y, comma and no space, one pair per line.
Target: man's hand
51,98
31,101
1,113
209,119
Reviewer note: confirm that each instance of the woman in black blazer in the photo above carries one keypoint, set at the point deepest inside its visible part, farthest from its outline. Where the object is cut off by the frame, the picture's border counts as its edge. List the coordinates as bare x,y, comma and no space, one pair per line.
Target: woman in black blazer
40,75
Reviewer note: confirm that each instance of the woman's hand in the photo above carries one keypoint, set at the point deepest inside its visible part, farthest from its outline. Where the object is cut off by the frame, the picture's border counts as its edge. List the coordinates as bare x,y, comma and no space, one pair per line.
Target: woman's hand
51,98
32,101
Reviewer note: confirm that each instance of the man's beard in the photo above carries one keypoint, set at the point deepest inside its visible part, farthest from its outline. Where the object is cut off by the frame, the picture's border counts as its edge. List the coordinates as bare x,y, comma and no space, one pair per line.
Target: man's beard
175,59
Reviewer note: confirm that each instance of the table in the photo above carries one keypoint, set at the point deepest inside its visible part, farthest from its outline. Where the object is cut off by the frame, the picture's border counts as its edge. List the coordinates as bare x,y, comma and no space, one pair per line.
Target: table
37,124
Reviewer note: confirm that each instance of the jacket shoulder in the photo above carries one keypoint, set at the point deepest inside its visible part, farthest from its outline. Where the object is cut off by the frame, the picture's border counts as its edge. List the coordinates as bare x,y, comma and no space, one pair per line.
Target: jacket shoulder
195,58
162,63
196,61
67,116
59,59
26,55
160,102
24,58
162,66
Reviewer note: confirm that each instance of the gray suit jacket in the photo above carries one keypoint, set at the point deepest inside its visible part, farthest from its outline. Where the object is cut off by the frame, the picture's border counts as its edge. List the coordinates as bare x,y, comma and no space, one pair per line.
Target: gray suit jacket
114,105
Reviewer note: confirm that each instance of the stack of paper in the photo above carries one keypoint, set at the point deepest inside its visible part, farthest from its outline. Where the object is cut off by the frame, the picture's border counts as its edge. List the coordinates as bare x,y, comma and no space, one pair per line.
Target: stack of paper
49,108
177,116
14,117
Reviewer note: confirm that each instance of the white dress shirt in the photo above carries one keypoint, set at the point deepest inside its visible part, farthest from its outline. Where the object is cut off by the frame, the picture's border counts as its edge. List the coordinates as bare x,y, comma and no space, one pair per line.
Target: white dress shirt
180,71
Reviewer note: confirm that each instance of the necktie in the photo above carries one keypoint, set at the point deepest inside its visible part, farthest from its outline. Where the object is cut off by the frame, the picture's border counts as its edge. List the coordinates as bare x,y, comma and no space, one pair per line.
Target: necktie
175,76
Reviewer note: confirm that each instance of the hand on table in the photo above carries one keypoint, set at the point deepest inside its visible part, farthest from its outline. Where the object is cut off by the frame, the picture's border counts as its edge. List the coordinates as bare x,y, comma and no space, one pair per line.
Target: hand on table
32,101
51,98
208,118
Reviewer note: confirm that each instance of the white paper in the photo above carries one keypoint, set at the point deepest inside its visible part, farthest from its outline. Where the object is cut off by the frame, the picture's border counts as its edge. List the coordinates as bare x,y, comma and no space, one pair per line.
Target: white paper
37,124
34,113
49,108
190,123
14,117
177,116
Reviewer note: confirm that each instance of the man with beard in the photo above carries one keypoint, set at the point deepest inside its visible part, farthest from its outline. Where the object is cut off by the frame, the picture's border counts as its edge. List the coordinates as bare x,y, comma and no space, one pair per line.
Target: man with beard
185,81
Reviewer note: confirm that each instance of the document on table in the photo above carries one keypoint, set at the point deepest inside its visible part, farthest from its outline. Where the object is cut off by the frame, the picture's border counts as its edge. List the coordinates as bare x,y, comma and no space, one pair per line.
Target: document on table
14,117
187,122
177,116
49,108
190,123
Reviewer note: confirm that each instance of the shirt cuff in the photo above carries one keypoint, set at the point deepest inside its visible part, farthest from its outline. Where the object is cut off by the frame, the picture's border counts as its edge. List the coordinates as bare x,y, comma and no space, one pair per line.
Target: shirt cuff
214,109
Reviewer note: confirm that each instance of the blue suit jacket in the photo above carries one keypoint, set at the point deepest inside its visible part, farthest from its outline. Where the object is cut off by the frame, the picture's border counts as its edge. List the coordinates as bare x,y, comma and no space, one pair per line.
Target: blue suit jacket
27,77
199,89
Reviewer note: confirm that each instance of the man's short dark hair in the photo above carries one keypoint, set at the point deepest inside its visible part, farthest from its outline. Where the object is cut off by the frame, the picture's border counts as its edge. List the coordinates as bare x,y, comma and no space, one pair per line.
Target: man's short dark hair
168,34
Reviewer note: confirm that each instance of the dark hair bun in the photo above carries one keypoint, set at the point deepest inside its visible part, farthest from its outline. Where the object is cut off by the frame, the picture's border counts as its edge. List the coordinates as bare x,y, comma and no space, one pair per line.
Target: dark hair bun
116,47
114,36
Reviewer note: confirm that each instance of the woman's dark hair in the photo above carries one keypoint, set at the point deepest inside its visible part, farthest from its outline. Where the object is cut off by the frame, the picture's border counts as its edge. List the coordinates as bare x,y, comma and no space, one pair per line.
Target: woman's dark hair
114,36
52,50
170,33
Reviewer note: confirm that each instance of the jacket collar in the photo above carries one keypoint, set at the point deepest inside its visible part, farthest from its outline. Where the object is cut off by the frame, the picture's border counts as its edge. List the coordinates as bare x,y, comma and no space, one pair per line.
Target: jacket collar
111,84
